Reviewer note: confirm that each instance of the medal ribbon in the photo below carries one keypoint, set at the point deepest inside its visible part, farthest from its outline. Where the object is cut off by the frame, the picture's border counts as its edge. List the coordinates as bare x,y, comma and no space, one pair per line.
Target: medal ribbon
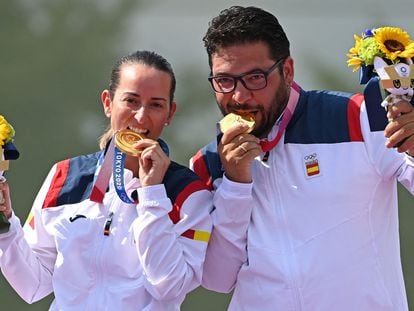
287,115
118,175
114,162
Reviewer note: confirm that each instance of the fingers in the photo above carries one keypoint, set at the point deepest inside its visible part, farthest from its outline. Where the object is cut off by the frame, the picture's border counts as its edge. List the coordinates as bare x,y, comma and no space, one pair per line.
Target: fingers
243,148
400,129
237,136
237,151
5,204
146,144
6,211
235,131
398,109
4,189
152,152
251,149
240,151
153,162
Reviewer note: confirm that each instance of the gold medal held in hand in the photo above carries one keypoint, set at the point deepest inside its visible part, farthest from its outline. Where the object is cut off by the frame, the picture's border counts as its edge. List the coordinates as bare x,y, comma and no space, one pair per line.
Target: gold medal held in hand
232,119
125,140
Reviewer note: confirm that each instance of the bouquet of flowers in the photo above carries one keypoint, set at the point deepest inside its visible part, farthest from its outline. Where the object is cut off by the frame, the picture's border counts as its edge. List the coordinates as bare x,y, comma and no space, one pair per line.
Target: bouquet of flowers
6,132
385,52
7,152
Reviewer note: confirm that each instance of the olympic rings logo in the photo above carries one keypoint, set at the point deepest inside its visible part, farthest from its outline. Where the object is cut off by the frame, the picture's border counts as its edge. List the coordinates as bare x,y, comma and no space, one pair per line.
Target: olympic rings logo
310,157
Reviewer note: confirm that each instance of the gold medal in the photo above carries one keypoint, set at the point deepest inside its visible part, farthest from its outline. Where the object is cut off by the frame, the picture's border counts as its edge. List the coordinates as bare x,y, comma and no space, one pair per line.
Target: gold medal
232,119
125,140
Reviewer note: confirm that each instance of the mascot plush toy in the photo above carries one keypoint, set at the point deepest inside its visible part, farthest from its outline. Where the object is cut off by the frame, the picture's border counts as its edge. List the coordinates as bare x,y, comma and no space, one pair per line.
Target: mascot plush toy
385,56
7,152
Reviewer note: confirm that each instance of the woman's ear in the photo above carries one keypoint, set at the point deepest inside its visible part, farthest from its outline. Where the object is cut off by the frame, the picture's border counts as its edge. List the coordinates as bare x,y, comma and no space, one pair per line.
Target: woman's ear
173,108
106,102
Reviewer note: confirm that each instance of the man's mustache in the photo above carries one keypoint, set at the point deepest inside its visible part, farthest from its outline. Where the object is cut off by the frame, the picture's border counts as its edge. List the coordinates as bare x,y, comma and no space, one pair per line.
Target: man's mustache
239,106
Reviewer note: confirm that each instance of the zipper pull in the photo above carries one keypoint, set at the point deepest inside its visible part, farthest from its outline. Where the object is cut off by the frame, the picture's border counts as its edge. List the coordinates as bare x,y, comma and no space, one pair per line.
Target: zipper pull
107,228
266,156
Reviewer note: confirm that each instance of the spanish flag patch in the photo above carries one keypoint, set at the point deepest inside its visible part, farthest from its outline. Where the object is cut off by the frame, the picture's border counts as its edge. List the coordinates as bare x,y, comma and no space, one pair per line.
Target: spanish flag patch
312,169
311,165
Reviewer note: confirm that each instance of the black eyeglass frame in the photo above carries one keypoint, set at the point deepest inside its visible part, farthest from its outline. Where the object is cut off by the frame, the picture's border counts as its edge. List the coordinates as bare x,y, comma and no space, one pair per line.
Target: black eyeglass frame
240,77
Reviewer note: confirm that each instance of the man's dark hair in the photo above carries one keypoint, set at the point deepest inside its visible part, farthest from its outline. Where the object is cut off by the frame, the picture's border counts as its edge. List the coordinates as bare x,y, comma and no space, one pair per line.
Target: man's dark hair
147,58
239,25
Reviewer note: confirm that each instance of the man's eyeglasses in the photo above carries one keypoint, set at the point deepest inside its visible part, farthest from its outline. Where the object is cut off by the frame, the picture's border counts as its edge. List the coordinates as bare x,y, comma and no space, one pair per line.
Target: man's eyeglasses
253,81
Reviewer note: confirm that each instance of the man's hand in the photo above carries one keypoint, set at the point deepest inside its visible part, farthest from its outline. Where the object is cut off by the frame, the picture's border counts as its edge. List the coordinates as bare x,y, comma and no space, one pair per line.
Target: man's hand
237,149
400,130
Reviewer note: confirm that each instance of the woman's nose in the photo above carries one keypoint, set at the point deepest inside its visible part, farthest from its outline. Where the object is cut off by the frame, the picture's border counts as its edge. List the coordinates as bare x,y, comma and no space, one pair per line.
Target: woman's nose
140,113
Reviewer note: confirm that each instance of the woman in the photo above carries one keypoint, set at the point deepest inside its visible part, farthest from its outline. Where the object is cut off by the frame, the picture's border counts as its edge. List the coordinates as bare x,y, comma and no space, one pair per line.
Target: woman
96,251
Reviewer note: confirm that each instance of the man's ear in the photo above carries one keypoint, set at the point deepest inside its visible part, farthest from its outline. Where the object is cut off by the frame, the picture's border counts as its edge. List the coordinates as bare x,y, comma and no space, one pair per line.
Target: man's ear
106,102
288,70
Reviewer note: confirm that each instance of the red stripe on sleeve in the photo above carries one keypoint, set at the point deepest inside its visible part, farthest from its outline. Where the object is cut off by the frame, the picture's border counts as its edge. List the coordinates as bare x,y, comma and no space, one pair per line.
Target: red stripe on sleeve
189,234
354,124
200,168
191,188
56,184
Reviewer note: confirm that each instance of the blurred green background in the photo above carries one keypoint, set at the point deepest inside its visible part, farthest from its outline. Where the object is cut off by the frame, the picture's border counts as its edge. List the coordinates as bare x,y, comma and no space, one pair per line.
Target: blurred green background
56,57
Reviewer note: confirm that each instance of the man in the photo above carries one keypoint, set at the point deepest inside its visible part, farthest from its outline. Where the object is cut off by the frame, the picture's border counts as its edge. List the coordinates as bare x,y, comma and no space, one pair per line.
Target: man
306,204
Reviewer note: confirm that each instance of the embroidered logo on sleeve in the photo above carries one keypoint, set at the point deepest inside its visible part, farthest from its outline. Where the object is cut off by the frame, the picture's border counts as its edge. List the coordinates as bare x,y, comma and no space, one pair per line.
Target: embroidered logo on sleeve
197,235
311,163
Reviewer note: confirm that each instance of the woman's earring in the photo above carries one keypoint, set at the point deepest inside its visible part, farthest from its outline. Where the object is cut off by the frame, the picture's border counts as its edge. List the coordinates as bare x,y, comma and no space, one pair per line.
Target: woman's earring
166,124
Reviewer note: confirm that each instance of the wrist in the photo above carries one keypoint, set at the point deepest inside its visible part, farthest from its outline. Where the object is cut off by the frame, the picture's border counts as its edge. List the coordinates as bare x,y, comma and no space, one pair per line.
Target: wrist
239,178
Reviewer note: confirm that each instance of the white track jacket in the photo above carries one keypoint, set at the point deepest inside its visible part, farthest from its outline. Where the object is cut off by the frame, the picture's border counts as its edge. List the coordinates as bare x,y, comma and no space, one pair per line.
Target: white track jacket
317,229
148,258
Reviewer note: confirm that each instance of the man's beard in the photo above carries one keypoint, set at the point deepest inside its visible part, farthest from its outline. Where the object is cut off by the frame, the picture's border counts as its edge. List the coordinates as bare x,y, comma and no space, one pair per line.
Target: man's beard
270,116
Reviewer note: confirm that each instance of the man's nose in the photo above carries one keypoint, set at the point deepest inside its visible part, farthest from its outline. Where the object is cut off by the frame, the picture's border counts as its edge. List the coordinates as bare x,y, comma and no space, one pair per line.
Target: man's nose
241,94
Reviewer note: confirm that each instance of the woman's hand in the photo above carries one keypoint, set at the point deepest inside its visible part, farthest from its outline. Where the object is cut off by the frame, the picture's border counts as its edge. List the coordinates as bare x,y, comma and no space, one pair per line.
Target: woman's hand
153,162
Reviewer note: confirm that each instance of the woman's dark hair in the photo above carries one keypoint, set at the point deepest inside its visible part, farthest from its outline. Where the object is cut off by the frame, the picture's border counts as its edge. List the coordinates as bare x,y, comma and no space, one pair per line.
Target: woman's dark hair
239,25
147,58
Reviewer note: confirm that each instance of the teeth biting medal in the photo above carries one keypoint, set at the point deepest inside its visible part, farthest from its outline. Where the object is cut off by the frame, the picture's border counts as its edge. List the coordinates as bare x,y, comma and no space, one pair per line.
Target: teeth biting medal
125,140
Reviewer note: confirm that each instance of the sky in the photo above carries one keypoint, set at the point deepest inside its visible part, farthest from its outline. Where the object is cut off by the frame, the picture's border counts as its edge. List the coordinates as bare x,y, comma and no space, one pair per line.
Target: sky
317,29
